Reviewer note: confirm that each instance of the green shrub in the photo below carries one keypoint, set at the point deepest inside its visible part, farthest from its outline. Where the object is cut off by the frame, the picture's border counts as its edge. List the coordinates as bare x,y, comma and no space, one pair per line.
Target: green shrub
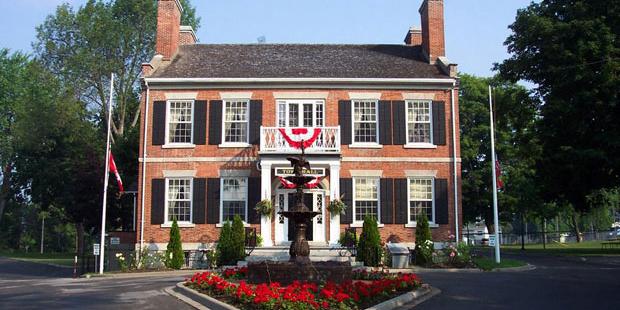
423,244
369,246
224,245
347,239
238,235
174,252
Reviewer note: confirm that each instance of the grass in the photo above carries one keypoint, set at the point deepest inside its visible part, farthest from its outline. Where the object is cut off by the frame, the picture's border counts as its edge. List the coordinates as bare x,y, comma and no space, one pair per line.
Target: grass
583,248
64,259
489,264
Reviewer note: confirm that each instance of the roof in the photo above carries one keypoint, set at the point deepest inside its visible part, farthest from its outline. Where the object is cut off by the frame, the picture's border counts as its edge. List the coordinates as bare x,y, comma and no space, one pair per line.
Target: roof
298,61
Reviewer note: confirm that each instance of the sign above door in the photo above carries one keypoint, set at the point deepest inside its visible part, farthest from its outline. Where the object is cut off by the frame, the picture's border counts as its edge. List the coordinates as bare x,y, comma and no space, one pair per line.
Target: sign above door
313,172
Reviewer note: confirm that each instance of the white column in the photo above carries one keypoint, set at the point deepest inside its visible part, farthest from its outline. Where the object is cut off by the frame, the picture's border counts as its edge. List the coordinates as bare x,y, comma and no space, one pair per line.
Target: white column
334,193
265,190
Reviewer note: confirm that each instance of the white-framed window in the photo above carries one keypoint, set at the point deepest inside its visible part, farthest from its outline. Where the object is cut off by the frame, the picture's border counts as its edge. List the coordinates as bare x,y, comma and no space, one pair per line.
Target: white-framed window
419,127
365,129
421,194
179,124
236,118
179,200
234,198
300,113
365,198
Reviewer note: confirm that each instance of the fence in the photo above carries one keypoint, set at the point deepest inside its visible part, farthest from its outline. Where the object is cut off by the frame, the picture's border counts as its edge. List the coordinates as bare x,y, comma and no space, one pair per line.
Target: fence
539,237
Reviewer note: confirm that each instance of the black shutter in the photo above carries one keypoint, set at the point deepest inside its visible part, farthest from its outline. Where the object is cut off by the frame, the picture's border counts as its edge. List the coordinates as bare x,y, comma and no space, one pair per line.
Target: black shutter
253,199
439,123
199,201
159,123
387,198
385,122
158,201
256,119
402,204
344,120
215,122
441,201
213,201
346,191
200,122
399,122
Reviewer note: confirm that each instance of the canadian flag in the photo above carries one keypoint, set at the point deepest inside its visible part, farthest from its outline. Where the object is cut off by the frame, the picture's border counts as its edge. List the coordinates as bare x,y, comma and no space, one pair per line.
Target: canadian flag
116,174
294,136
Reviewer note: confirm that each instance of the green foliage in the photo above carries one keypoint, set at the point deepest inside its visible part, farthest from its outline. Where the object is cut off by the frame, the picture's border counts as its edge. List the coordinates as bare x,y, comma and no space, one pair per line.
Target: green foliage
423,244
225,250
264,207
238,235
174,251
347,239
336,207
369,247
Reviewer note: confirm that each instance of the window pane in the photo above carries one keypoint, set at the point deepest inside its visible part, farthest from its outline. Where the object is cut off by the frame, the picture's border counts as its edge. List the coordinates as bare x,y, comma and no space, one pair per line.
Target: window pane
421,198
232,208
180,122
236,132
365,208
293,115
179,200
419,121
417,207
365,121
366,189
281,115
235,121
319,115
308,115
234,188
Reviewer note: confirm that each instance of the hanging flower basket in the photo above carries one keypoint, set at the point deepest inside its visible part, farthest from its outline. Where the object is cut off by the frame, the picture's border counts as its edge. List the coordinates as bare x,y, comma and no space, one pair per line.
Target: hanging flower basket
264,207
336,207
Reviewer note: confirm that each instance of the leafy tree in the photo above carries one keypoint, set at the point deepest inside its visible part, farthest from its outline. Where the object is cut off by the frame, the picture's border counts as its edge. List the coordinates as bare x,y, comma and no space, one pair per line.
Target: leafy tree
174,251
517,147
225,246
238,238
369,246
569,49
422,236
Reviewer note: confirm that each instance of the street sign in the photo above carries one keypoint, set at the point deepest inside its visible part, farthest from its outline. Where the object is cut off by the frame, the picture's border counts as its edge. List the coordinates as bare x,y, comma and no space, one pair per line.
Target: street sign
115,240
492,240
96,249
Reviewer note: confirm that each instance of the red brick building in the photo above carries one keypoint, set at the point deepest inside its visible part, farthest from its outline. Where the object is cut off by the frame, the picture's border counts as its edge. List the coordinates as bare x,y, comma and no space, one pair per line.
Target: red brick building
211,145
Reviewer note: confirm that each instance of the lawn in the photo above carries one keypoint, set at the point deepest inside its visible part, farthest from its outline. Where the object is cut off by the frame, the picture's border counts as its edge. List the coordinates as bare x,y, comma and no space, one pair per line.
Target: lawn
583,248
64,259
488,264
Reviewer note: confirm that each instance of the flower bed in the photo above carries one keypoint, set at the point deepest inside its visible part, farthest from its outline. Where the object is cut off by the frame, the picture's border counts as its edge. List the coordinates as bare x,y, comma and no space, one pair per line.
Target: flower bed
356,294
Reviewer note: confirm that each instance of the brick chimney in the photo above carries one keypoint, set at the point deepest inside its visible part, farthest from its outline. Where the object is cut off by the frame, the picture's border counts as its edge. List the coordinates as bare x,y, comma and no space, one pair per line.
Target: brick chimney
414,36
187,36
168,27
433,41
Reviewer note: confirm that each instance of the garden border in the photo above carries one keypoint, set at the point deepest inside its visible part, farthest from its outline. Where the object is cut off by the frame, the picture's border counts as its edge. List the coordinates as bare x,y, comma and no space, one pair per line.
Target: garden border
203,301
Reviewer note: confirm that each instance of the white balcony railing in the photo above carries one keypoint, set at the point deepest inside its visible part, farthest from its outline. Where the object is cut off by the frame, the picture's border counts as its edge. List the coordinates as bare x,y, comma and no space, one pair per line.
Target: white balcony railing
272,141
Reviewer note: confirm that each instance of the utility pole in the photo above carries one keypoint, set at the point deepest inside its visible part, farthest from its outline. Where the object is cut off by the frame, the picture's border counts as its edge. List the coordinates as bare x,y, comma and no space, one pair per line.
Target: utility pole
493,159
42,230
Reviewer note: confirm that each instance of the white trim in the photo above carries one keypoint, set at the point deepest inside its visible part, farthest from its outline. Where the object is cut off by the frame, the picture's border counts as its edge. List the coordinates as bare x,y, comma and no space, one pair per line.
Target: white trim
181,225
431,222
364,96
300,95
230,173
247,185
418,96
400,159
414,225
179,145
367,173
365,146
236,95
245,224
191,201
450,81
361,224
247,122
179,173
234,145
421,173
430,116
300,117
167,143
420,145
181,96
252,159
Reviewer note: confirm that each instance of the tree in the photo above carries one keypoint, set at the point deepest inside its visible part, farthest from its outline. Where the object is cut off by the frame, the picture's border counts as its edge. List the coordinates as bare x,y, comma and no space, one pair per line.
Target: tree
423,250
238,238
174,251
569,48
517,147
369,247
225,254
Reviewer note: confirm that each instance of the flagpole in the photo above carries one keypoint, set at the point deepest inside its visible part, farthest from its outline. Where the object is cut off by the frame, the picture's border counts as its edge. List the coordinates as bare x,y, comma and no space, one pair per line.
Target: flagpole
495,213
106,177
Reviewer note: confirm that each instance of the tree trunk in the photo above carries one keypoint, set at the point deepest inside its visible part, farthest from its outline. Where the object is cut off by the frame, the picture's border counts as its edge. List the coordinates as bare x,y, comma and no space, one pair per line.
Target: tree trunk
4,188
575,227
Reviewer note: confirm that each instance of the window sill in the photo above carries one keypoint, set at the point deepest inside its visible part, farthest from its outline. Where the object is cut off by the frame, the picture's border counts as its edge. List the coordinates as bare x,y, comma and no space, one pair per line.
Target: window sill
233,145
365,146
178,146
420,146
361,224
181,225
413,225
220,225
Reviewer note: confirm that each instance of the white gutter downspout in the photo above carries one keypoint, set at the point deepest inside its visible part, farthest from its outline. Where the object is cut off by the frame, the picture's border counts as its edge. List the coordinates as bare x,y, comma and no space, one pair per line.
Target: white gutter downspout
454,158
146,126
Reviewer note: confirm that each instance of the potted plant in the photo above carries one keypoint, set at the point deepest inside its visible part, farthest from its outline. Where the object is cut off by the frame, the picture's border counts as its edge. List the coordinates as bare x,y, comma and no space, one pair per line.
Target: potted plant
336,207
264,207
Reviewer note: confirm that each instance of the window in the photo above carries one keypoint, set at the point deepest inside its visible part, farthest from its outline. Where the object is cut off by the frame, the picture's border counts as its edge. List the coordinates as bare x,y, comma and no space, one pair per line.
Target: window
236,121
419,122
180,121
366,198
364,121
421,199
300,113
179,202
234,198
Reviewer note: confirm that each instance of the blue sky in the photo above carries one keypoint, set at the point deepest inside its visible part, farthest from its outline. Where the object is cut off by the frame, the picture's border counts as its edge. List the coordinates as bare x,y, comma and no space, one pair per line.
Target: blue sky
475,29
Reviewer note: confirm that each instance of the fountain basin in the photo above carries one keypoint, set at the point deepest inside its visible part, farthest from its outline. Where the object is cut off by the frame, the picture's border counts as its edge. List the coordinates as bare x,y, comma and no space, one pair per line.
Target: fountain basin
304,271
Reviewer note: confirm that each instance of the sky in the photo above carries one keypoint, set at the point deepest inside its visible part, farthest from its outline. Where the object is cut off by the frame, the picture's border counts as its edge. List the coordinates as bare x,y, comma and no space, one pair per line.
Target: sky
475,29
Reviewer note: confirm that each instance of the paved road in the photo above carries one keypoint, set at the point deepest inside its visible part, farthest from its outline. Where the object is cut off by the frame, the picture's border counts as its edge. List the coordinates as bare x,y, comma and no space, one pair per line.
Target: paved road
556,283
25,285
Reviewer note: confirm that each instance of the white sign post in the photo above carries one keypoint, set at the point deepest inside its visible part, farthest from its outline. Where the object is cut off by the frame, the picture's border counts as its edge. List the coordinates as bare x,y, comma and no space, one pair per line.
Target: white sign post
96,250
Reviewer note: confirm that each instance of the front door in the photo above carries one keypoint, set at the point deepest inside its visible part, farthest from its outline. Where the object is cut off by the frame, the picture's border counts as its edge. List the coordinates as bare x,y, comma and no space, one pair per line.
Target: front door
285,230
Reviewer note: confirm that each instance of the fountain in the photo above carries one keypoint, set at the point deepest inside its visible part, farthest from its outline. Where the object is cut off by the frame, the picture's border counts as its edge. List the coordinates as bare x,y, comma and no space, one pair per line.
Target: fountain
299,267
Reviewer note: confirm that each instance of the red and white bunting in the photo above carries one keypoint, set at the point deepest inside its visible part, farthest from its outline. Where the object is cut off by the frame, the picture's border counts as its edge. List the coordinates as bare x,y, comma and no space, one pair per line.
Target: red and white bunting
314,183
286,183
294,136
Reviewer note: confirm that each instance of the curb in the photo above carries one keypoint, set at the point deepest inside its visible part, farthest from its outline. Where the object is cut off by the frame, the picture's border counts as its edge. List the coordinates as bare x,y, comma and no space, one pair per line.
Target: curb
204,302
527,267
176,273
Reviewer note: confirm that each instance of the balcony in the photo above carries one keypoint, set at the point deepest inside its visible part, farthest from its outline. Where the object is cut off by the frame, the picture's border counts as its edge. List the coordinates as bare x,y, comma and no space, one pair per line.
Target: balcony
272,141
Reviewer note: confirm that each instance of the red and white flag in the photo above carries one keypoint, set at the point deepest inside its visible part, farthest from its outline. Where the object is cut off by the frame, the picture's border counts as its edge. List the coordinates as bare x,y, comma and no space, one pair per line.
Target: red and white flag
498,171
116,174
294,136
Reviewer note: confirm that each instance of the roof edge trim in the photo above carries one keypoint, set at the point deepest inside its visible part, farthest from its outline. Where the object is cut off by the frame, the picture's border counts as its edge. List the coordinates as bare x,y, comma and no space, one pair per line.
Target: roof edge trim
451,81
